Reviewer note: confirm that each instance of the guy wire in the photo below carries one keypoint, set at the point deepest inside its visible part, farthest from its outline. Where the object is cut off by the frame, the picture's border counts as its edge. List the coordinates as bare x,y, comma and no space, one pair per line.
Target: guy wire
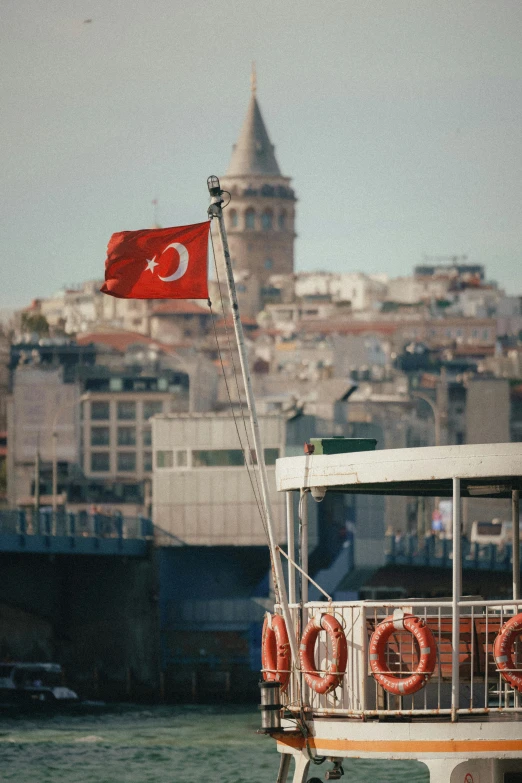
253,481
232,361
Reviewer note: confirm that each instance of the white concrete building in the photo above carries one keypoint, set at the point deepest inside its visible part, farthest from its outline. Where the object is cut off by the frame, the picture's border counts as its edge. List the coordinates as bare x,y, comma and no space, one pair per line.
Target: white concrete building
74,309
202,494
40,404
361,290
410,290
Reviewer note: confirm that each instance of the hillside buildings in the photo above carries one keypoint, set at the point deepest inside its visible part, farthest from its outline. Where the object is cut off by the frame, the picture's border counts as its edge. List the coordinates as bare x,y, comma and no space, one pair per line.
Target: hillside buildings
133,407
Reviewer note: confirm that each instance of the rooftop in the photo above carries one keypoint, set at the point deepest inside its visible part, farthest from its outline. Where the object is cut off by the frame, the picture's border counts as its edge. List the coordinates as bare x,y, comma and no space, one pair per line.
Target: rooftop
121,340
179,307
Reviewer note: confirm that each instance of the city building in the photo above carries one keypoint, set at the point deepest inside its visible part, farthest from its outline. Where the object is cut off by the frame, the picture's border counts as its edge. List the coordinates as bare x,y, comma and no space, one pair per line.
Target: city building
362,291
78,414
202,492
42,429
116,442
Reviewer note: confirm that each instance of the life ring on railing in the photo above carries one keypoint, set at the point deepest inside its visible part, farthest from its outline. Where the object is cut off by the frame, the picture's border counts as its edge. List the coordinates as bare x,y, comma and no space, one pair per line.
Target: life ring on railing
323,682
503,651
428,654
275,651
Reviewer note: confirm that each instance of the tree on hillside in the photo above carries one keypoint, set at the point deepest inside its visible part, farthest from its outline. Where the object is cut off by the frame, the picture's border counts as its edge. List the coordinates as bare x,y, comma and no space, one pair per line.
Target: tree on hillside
35,322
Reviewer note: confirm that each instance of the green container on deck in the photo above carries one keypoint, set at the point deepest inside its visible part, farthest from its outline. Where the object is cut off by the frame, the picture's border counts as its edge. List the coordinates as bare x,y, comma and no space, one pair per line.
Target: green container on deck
340,445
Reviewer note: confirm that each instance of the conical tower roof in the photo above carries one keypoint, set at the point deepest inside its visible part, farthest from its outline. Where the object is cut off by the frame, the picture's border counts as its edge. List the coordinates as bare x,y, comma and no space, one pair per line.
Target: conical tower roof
253,153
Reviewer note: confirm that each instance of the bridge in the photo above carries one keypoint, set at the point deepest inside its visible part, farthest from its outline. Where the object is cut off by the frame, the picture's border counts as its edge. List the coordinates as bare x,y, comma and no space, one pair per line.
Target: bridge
434,551
81,533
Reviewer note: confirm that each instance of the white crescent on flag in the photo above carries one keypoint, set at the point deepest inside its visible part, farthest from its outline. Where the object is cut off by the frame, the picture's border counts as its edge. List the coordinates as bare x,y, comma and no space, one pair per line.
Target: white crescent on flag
183,262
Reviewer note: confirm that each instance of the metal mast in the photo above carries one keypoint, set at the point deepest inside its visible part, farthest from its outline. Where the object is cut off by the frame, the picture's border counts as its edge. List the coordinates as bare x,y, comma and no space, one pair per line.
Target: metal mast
216,211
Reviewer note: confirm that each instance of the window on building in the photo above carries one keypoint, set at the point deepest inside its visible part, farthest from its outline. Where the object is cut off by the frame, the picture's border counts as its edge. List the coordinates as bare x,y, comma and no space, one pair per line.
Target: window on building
126,436
147,437
282,220
100,436
250,218
126,411
147,461
151,408
217,458
181,459
270,456
116,384
126,460
268,263
267,220
164,459
100,411
100,461
233,218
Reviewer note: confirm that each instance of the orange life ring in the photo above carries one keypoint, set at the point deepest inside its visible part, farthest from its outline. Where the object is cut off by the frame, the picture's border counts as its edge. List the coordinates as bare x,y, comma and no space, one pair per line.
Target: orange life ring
428,654
275,651
326,681
503,651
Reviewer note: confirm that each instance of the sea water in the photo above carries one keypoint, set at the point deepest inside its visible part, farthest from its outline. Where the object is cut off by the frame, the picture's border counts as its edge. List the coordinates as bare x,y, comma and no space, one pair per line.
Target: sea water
182,744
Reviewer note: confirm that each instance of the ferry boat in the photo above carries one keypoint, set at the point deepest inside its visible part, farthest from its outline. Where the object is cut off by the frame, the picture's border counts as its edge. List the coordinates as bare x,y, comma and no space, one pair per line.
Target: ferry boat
32,684
440,680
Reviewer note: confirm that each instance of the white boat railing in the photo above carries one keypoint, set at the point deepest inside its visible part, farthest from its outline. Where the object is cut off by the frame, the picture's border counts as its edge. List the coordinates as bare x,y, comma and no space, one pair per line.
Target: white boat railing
481,688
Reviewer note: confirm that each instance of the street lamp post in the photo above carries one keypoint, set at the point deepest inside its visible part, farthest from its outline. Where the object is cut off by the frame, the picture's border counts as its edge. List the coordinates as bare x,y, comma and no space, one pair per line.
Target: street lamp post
37,479
54,457
439,412
55,473
436,413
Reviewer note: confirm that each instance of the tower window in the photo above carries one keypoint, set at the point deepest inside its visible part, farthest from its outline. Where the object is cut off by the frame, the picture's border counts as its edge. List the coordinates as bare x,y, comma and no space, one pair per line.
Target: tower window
266,220
282,220
268,263
250,218
233,218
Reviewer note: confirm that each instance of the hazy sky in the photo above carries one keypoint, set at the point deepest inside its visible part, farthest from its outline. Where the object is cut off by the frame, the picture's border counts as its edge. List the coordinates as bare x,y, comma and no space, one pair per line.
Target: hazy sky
400,122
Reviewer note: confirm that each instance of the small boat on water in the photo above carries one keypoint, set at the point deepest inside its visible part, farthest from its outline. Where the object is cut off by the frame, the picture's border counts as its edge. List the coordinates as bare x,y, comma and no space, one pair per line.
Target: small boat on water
34,684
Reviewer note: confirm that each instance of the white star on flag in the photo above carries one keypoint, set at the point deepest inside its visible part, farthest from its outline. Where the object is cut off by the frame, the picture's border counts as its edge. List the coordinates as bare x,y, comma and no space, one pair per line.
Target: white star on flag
151,263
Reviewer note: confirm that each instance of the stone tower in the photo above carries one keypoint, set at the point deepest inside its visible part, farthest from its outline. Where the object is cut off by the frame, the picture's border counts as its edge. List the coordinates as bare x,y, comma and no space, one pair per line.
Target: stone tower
260,218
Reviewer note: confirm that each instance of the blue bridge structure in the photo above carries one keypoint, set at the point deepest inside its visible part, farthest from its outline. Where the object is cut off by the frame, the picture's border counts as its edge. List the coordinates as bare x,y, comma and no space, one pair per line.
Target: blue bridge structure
437,552
48,532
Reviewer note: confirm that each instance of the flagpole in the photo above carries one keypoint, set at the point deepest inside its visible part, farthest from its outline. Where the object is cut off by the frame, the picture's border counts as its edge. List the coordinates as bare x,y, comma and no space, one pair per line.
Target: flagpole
216,211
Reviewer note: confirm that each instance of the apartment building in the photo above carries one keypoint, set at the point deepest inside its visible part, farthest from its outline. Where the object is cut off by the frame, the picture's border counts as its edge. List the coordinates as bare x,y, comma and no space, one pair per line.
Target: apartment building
115,414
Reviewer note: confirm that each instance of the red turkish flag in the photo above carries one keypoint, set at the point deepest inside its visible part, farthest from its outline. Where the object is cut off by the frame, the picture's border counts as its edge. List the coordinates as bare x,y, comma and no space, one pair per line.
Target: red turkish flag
160,263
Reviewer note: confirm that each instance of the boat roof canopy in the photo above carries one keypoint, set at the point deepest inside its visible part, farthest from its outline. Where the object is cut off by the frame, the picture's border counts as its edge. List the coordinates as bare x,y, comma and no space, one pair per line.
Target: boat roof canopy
485,470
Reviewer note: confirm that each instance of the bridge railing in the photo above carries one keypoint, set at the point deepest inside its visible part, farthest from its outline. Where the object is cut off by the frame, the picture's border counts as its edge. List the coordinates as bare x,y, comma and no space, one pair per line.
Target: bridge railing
79,524
433,550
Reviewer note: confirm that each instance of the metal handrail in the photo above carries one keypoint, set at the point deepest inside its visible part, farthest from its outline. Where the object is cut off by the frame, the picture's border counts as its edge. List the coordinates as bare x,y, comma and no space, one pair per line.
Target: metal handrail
481,687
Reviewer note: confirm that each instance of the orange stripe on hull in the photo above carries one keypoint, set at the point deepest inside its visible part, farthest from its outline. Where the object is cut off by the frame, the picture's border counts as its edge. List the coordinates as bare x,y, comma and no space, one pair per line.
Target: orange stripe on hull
405,746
